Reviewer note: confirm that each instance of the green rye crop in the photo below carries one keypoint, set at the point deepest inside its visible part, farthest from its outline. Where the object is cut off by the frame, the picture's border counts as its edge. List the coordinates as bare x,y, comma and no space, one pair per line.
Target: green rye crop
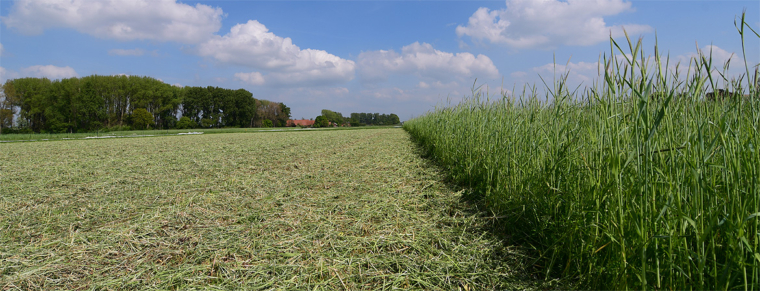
637,182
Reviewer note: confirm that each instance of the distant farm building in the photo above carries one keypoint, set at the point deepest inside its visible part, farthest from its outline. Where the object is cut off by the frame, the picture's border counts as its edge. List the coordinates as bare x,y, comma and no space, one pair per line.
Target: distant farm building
300,122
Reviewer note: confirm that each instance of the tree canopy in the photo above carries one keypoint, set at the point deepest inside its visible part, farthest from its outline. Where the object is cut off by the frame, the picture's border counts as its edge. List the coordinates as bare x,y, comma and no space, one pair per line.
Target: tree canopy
356,119
142,119
334,117
95,102
375,118
321,121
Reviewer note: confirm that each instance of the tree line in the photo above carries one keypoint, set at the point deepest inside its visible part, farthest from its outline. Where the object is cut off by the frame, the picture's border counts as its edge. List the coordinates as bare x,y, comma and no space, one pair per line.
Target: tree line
375,118
356,119
128,102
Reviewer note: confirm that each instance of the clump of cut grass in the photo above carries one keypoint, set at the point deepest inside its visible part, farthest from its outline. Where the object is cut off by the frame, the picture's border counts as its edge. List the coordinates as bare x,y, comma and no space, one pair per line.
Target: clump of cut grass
635,182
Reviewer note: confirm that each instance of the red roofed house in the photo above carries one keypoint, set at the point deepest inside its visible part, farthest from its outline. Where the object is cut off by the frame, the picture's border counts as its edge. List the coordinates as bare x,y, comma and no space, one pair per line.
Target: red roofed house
300,122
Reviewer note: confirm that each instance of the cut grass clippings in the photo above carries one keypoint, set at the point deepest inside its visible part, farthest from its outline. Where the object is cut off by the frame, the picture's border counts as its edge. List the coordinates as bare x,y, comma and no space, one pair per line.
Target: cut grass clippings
105,134
281,210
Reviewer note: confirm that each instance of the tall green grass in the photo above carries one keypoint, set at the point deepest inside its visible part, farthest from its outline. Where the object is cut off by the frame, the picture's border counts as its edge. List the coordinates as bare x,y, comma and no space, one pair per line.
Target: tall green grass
636,182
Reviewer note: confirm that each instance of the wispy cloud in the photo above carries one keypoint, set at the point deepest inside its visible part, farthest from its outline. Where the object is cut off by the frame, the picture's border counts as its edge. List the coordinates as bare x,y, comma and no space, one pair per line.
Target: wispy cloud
126,52
48,71
548,23
422,60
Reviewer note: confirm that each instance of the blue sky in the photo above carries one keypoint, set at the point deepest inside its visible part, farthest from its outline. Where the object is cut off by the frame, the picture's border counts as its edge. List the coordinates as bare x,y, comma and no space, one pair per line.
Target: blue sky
402,57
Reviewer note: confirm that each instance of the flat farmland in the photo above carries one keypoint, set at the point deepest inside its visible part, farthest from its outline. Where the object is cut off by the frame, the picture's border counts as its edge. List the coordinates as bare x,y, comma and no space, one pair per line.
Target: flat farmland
355,209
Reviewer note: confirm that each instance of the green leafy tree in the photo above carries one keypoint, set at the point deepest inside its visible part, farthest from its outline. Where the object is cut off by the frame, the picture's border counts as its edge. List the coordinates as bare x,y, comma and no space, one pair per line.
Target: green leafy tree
92,102
6,119
207,122
238,108
267,123
192,103
61,107
213,107
7,105
169,122
375,118
321,121
333,116
91,105
31,95
185,123
223,107
142,119
284,115
266,109
393,119
165,114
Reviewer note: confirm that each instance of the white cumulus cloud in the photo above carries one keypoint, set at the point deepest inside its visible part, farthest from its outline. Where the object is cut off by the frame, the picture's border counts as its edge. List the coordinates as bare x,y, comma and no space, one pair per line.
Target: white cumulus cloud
438,85
585,73
719,56
49,71
547,23
126,52
252,45
253,78
5,75
423,60
162,20
570,66
518,74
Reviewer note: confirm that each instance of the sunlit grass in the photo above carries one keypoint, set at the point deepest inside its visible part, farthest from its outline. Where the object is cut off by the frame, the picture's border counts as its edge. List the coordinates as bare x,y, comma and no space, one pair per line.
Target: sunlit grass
307,210
637,182
27,137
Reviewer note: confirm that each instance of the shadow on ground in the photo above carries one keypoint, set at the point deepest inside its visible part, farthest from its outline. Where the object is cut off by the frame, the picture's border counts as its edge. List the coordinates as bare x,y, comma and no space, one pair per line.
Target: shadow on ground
483,222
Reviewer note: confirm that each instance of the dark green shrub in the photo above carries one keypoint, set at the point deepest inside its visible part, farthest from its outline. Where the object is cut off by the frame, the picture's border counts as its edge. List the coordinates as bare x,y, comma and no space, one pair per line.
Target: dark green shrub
185,123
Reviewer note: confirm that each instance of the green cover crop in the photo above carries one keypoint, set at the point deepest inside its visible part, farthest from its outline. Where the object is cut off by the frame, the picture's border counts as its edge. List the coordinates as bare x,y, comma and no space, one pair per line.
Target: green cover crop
644,180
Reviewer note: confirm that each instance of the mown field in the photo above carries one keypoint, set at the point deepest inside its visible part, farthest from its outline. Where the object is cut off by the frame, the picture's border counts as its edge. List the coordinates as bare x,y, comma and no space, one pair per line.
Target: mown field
320,210
104,134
